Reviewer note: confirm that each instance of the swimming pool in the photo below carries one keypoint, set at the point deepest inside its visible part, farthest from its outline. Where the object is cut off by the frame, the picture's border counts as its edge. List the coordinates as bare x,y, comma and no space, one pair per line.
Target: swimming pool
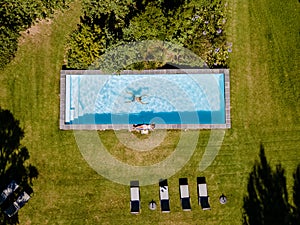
169,98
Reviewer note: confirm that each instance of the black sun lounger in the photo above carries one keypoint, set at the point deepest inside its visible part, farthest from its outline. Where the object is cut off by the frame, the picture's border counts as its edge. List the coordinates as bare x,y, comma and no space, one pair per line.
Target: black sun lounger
8,191
184,194
17,205
202,193
134,197
164,196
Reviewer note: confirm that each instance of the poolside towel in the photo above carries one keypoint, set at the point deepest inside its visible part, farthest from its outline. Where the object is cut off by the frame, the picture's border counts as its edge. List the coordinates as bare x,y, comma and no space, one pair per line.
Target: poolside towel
17,205
164,196
8,191
202,193
184,194
134,197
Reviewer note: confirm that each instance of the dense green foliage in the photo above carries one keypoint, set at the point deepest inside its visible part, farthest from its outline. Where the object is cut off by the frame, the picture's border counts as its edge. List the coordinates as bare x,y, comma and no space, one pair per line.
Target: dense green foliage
195,25
18,15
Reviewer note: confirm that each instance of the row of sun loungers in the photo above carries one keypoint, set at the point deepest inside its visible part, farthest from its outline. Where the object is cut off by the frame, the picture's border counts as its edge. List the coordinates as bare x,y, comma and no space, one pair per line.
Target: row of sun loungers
16,205
135,205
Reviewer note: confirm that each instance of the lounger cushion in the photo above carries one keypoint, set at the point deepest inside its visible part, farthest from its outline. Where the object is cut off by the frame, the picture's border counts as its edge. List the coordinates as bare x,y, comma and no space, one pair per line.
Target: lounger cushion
202,193
134,193
164,196
201,180
135,206
204,203
186,204
183,181
164,192
184,191
202,189
134,197
184,194
165,205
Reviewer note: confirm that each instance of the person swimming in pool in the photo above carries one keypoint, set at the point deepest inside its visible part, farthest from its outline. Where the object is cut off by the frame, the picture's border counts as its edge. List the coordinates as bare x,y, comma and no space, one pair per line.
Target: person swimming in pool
136,98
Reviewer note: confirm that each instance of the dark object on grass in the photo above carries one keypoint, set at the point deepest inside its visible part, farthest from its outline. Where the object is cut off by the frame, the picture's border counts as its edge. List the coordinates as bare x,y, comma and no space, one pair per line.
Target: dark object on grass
152,205
164,196
184,194
17,205
134,197
8,191
202,193
223,199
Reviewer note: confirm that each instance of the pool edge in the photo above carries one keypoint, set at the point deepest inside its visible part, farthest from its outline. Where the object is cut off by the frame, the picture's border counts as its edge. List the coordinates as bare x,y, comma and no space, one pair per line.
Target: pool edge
64,126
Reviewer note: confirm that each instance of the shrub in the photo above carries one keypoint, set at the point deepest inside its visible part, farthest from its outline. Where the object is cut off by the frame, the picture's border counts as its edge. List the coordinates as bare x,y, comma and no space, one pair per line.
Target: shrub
18,15
199,27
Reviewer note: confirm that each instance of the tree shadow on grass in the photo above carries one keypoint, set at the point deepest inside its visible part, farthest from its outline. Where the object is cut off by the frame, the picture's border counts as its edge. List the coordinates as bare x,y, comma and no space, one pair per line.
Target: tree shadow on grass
13,162
267,200
296,197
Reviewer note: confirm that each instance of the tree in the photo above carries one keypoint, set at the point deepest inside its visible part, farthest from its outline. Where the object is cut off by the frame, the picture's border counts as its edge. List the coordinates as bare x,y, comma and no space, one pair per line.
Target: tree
196,25
18,15
267,200
145,26
13,160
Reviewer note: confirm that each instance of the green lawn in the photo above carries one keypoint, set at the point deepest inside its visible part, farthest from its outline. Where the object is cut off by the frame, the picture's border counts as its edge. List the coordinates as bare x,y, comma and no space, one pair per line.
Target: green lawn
265,91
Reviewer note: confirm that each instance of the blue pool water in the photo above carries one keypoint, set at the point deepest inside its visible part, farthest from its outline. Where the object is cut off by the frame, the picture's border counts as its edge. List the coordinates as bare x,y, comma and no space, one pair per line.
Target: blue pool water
168,98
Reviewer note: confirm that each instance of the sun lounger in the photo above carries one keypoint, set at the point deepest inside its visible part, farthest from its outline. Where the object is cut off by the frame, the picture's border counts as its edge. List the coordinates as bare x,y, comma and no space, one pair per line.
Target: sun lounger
134,197
8,191
17,205
184,194
202,193
164,196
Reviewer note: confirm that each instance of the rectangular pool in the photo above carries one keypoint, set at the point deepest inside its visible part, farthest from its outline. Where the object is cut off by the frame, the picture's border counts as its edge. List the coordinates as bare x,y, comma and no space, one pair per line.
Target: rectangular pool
167,98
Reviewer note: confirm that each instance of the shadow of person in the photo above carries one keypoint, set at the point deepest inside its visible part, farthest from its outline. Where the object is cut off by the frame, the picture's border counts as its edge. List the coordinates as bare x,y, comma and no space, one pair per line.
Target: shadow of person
13,165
